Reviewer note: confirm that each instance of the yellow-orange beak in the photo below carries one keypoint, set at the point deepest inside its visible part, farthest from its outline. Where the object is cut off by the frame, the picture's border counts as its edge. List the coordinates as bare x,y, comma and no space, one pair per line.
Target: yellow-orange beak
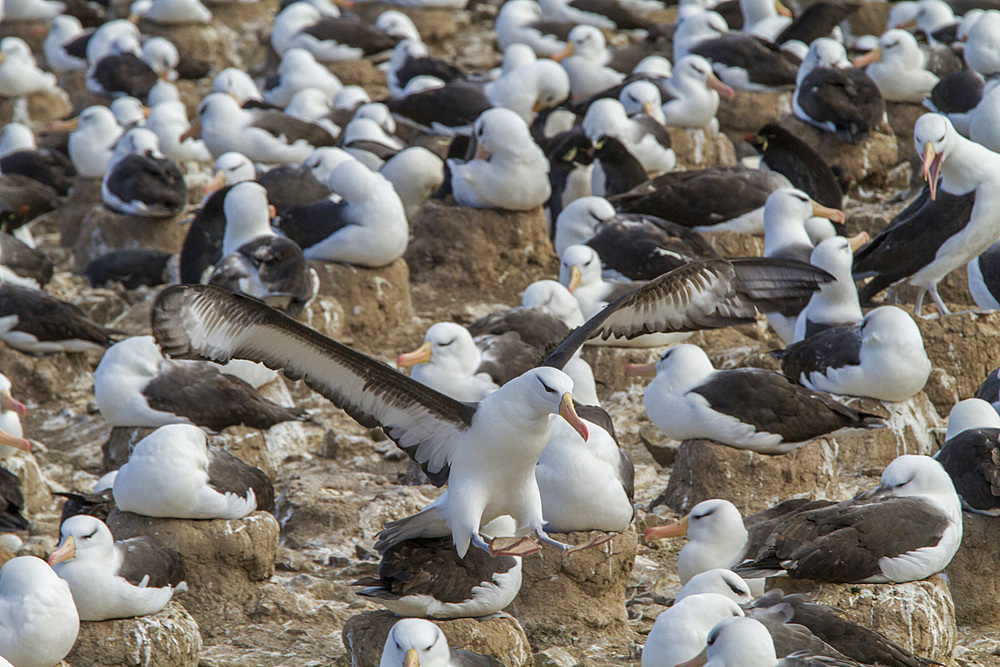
272,211
565,53
481,153
872,56
421,355
146,111
833,214
344,4
134,19
907,25
568,412
647,108
714,83
193,132
8,402
3,56
17,443
61,125
782,10
411,659
676,529
218,180
858,240
65,551
574,279
932,168
698,661
640,370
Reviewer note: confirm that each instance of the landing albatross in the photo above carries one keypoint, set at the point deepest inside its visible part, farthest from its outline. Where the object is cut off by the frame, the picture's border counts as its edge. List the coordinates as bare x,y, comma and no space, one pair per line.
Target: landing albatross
455,442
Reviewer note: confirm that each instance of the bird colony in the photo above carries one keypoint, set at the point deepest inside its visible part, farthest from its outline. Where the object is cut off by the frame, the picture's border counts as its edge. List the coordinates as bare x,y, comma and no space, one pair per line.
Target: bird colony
436,334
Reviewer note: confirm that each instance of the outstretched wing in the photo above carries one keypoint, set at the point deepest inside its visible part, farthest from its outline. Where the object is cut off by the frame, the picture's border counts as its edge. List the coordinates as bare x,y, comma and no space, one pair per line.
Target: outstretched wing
204,321
699,295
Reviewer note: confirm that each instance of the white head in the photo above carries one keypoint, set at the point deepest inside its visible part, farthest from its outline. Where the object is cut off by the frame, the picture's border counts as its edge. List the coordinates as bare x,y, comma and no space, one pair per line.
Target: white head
823,52
680,632
684,365
740,642
235,168
219,108
587,42
137,141
580,266
718,581
516,55
934,137
835,256
15,49
397,24
163,91
247,215
913,475
501,131
579,219
356,183
933,15
161,55
416,173
899,46
605,118
350,97
654,66
554,298
16,137
447,347
378,112
889,325
309,104
971,413
237,83
415,641
26,576
642,97
697,70
322,161
83,537
98,121
542,391
785,213
128,110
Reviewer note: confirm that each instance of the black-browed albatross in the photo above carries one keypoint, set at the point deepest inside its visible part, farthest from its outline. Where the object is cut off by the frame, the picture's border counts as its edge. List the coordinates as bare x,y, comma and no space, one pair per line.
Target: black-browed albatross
946,226
453,441
906,529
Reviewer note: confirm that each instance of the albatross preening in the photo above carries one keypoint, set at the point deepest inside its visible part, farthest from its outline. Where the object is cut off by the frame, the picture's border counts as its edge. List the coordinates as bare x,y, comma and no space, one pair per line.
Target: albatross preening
510,425
173,472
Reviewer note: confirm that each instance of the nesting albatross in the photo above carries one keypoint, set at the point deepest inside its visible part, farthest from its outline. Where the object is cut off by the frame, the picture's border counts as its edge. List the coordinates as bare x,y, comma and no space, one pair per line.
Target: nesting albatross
453,441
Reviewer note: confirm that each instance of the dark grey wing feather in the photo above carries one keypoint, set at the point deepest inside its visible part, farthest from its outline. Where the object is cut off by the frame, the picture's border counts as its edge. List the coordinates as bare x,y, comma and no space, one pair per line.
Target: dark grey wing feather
202,320
209,398
143,556
832,348
972,459
699,295
228,474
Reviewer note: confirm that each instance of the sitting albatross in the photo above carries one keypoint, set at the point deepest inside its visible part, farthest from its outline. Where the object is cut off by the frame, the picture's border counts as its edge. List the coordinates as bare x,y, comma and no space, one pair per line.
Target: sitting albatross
456,442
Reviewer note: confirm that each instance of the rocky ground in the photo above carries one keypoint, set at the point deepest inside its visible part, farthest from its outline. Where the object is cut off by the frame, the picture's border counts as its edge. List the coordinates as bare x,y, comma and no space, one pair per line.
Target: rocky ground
338,482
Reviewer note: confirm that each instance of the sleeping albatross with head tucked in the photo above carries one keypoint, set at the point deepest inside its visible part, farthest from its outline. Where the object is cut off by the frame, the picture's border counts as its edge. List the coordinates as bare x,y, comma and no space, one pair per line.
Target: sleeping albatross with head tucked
454,442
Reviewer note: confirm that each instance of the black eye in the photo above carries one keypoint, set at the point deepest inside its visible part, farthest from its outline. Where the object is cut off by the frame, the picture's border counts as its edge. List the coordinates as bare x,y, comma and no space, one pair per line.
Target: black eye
587,263
547,388
735,589
87,537
711,637
445,344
